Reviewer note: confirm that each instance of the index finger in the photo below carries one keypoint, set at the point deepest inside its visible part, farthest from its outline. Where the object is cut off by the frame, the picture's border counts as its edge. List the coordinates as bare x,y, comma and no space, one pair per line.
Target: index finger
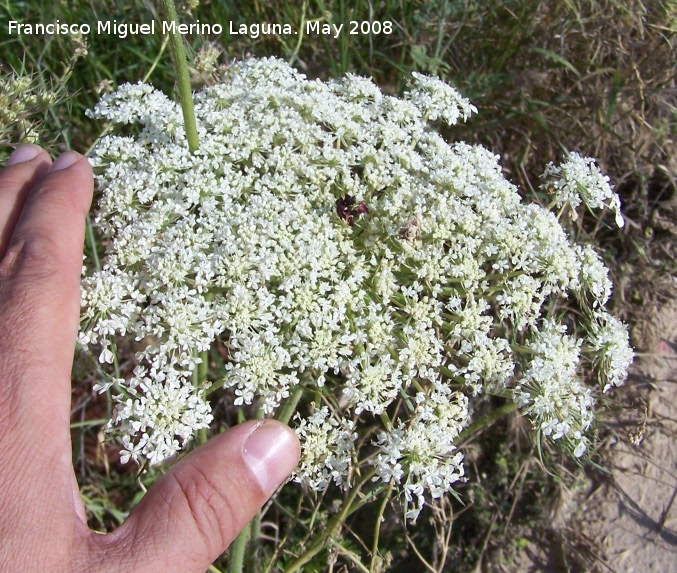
40,295
24,168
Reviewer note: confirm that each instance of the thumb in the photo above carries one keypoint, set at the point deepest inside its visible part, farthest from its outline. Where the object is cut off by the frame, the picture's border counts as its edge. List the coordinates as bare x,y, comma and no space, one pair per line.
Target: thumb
193,513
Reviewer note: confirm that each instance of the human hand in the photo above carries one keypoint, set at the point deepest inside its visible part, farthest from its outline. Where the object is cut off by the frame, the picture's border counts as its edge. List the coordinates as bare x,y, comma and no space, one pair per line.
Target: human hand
192,513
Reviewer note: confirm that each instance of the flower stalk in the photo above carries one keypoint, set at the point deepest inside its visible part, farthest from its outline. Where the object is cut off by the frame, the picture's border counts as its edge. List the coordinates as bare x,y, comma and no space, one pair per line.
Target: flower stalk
332,527
238,550
183,79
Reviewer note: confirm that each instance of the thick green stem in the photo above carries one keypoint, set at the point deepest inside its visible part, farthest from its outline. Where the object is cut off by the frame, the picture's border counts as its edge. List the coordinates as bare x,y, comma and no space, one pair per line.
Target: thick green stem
252,556
377,529
238,549
486,420
182,77
288,407
203,367
91,242
254,535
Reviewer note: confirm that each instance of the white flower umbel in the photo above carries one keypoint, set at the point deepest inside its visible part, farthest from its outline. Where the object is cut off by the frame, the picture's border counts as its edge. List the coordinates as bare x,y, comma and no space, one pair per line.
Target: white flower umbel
420,453
328,443
165,413
579,179
611,350
333,242
550,390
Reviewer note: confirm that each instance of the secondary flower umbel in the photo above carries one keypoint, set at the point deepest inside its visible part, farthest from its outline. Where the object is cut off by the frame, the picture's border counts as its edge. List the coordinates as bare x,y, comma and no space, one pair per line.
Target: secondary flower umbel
335,243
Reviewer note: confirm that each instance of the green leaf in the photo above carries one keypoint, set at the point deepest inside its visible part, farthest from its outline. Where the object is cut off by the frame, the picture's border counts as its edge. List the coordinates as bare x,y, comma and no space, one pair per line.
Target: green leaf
557,58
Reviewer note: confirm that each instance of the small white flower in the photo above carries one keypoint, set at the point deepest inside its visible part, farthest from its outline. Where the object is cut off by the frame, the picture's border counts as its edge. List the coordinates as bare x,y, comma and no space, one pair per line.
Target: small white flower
612,353
421,453
579,179
327,445
438,100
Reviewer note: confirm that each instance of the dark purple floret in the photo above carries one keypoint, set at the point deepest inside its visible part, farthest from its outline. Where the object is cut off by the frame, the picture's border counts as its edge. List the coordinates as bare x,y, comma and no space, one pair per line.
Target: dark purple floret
347,210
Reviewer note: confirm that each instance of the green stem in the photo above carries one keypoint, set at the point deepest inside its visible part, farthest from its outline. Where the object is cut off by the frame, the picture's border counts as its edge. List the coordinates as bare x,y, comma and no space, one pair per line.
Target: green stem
183,79
199,382
351,555
252,556
486,420
237,551
203,369
385,419
157,60
302,27
377,529
321,541
91,242
255,534
288,408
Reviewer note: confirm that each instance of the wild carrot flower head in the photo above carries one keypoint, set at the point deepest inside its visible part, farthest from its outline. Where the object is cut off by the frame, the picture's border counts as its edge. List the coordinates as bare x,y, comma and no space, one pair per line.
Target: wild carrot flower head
334,242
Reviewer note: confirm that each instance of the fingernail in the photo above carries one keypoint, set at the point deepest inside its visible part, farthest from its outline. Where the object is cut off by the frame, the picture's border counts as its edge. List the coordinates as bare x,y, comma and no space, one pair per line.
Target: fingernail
65,160
271,453
24,153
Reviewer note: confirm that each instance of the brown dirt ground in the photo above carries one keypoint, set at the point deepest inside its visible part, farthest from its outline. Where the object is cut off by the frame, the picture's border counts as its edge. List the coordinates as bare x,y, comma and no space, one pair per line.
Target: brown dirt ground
634,518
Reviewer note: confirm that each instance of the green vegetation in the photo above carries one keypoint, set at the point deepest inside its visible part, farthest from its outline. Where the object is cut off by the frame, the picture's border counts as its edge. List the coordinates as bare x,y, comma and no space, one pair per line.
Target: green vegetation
594,76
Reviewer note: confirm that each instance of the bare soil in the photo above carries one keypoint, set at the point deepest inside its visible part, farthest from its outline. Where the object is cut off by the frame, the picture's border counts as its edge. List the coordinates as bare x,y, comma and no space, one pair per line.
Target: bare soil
633,518
626,522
